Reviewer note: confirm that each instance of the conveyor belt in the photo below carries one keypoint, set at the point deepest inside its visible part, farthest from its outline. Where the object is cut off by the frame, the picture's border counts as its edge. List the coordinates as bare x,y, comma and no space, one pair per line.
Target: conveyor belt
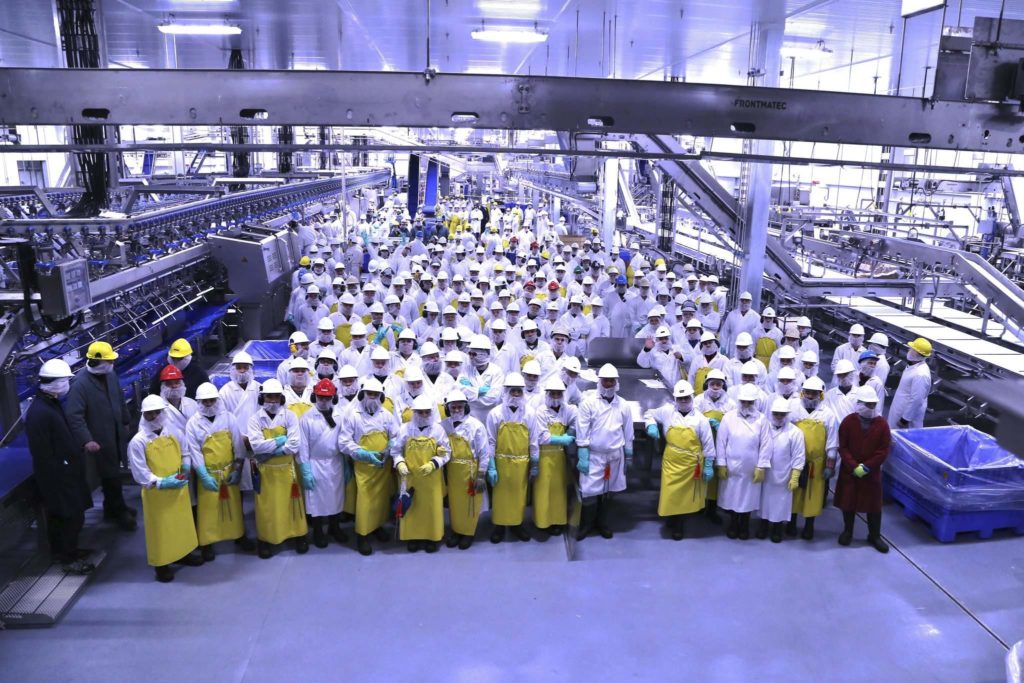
946,339
940,309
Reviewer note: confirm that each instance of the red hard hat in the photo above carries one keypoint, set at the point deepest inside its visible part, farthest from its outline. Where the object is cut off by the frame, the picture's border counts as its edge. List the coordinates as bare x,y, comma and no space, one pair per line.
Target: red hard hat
530,283
552,285
534,245
325,387
170,373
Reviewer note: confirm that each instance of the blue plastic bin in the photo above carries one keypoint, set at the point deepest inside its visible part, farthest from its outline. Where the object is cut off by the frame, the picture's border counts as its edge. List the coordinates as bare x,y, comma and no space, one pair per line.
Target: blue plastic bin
957,479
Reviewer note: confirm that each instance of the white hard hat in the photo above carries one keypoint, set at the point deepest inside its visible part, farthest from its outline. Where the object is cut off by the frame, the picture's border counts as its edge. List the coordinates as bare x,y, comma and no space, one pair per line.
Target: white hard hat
391,299
694,323
554,383
879,339
662,331
514,380
813,384
480,343
749,368
429,349
272,386
708,336
298,363
206,391
431,307
407,333
844,366
328,354
572,364
371,383
786,373
241,358
768,313
449,334
787,353
455,396
857,329
748,392
803,321
780,405
454,357
380,353
413,374
358,329
608,371
55,368
808,357
152,403
499,325
715,374
348,371
682,389
744,339
658,311
325,325
531,367
377,307
865,394
299,338
745,296
422,402
312,289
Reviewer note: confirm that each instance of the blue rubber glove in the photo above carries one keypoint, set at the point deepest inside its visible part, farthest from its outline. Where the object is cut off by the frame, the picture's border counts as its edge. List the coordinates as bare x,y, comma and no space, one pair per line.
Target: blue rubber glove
534,469
709,469
235,477
281,440
583,459
562,439
349,472
279,450
827,473
653,431
397,328
171,481
484,388
628,452
208,482
308,482
860,470
379,337
492,474
465,382
714,422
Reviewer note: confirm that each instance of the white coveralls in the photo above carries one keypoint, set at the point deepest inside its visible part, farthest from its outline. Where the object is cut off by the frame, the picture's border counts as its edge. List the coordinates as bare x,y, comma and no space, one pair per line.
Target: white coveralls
743,446
606,428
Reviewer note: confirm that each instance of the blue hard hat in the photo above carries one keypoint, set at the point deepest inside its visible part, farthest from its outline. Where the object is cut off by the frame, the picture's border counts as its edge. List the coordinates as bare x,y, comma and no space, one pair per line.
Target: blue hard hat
620,280
867,355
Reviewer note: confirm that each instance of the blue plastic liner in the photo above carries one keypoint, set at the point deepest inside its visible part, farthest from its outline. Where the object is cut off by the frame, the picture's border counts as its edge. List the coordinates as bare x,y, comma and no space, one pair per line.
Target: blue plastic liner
958,468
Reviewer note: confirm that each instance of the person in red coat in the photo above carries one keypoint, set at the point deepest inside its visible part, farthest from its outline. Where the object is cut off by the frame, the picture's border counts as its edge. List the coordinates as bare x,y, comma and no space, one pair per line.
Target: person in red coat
864,442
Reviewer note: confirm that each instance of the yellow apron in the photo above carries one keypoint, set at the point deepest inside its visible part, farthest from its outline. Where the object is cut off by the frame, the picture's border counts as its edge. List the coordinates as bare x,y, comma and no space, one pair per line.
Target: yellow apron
587,309
712,492
167,513
220,511
702,374
366,319
300,409
512,459
523,360
406,415
807,501
461,470
375,486
280,509
424,521
682,488
343,333
764,349
550,504
629,275
389,406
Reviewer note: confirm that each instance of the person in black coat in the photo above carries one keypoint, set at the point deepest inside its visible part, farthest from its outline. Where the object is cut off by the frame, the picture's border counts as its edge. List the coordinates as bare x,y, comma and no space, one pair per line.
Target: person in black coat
180,356
59,467
98,418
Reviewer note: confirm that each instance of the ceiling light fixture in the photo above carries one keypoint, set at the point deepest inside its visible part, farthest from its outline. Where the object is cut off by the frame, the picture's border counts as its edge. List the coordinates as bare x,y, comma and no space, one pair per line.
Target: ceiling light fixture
805,49
510,8
199,29
508,34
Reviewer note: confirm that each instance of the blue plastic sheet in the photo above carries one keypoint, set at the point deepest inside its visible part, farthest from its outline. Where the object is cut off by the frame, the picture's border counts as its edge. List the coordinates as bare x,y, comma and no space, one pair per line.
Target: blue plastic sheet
958,468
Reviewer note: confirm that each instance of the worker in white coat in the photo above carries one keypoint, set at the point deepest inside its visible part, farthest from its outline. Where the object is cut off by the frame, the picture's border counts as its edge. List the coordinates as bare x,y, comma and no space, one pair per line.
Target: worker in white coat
821,450
851,349
512,435
867,377
160,468
604,435
420,453
298,345
840,398
879,343
323,468
310,312
214,446
742,319
481,380
240,400
273,435
910,401
707,360
744,345
556,421
783,477
743,456
467,470
687,463
325,339
661,355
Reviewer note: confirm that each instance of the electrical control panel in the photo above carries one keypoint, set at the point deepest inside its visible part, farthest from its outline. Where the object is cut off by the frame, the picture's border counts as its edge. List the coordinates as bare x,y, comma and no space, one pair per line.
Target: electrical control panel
64,288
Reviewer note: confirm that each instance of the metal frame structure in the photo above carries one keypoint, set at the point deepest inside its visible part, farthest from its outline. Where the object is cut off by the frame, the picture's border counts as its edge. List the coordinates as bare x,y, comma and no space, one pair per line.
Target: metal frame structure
347,98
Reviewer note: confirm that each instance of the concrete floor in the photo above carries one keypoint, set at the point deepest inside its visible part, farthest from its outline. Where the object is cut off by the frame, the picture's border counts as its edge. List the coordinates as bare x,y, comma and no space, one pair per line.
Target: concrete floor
637,607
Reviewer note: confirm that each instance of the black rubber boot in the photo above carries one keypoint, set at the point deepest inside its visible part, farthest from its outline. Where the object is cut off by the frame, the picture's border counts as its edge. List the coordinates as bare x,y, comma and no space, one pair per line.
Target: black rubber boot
520,532
453,540
762,529
777,531
604,509
208,553
430,546
263,550
192,560
245,544
587,516
678,526
334,529
734,525
301,545
413,546
875,532
465,542
164,574
363,545
808,532
319,535
498,535
382,534
791,527
555,530
846,537
744,531
711,512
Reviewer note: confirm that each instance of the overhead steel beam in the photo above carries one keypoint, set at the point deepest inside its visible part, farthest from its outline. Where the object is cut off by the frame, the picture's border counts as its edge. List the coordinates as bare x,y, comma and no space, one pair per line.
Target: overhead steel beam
348,98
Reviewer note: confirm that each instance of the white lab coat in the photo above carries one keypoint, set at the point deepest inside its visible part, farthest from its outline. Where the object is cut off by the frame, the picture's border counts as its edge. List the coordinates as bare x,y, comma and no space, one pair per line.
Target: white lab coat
200,427
736,323
356,423
308,317
910,401
137,452
711,321
734,375
491,376
263,447
839,403
318,446
787,455
668,416
718,362
620,313
665,363
743,445
824,415
606,428
761,405
849,353
177,418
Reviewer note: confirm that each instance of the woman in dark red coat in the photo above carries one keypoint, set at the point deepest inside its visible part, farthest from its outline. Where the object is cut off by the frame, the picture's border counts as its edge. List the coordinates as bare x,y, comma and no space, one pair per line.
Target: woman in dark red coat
864,441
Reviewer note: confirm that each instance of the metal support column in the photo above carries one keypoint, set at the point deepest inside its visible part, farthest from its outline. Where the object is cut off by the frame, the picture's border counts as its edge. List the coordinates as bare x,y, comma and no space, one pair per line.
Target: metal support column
756,186
609,200
666,215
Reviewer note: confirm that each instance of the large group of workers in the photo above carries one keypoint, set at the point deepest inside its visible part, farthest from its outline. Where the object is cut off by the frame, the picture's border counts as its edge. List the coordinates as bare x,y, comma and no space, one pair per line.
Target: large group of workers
447,369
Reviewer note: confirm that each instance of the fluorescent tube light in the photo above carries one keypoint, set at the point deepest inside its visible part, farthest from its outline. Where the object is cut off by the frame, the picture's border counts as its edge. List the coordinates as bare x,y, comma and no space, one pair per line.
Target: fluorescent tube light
509,35
199,29
510,8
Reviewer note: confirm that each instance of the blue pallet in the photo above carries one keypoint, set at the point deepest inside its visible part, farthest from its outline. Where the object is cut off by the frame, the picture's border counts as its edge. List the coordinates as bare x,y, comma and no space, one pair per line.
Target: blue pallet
946,524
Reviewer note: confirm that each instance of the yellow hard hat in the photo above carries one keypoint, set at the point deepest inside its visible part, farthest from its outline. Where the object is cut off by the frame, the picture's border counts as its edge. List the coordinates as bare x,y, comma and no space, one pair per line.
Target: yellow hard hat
659,262
100,351
545,254
180,348
922,346
304,261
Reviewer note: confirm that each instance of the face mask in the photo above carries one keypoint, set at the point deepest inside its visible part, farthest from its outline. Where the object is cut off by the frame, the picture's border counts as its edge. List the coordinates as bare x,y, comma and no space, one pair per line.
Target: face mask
102,368
558,345
914,357
172,394
421,421
181,363
241,378
349,389
432,367
664,345
865,411
778,421
371,405
846,380
531,384
877,349
314,304
298,381
553,403
324,370
710,350
567,379
326,338
786,389
57,388
744,353
811,404
514,402
157,423
359,342
405,347
302,352
482,358
457,413
747,411
767,326
324,404
607,392
684,405
714,393
271,408
804,332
